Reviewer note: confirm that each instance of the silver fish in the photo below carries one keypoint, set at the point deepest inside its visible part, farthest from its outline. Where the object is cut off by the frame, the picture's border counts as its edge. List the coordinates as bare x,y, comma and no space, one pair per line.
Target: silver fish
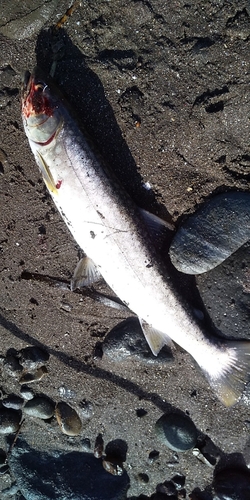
114,236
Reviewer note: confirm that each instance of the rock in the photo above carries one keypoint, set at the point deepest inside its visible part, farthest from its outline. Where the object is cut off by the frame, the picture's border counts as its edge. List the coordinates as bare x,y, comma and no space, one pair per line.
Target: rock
13,401
33,357
127,340
69,421
26,392
40,407
112,466
177,431
215,231
35,376
66,476
9,420
232,484
12,365
27,24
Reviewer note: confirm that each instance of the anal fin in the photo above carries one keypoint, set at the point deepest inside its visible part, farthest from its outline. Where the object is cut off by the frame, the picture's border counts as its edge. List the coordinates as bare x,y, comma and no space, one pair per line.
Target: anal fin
85,274
155,339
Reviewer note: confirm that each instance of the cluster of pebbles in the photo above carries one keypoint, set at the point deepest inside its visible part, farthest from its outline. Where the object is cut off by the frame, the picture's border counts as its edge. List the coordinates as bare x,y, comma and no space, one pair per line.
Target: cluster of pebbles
29,365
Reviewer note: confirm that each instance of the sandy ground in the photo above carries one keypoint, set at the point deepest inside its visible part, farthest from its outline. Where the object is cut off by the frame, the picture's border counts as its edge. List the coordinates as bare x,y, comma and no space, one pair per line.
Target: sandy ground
181,71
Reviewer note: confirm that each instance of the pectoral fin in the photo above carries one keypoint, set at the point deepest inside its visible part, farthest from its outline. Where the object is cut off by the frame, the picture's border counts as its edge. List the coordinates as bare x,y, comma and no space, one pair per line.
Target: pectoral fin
155,339
46,173
85,274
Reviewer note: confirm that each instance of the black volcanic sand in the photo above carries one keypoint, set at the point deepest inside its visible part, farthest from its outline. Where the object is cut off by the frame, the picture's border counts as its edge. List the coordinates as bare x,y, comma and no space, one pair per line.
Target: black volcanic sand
163,90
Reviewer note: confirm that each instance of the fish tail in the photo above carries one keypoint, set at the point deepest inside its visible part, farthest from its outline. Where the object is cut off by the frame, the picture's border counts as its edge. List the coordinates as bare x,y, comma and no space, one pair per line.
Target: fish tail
229,371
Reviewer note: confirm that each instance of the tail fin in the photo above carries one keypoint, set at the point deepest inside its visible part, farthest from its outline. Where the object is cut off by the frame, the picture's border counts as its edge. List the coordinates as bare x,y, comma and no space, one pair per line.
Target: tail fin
229,378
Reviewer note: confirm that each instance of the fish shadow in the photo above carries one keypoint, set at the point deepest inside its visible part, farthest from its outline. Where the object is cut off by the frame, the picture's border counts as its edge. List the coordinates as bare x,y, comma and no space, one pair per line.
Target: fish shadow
85,93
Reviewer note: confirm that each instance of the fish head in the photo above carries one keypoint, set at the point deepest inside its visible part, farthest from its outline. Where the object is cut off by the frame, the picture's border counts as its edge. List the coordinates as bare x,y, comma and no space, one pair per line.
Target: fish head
40,111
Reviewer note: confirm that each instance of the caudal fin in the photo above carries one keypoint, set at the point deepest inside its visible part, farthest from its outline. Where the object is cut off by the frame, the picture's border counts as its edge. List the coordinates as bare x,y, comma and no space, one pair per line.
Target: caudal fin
232,372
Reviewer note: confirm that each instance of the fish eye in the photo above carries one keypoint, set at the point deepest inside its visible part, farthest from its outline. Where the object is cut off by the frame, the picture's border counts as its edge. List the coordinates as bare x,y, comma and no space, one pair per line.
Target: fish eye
40,86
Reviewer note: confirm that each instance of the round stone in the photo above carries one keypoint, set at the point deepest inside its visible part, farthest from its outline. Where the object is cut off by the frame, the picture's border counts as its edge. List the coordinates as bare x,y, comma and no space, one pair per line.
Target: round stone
40,406
177,431
68,419
232,484
33,357
9,420
13,401
210,235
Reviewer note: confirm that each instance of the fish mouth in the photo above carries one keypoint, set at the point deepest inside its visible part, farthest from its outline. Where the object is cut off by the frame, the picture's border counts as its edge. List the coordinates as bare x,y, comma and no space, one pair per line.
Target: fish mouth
35,100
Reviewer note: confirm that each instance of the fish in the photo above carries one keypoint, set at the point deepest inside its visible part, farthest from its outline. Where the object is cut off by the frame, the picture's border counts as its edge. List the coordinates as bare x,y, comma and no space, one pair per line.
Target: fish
116,238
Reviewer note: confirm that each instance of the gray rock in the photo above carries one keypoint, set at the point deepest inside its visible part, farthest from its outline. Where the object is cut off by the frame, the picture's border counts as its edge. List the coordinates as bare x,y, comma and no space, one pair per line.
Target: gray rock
212,233
127,340
40,406
9,420
232,484
13,401
33,357
74,475
68,419
26,392
12,365
27,23
177,431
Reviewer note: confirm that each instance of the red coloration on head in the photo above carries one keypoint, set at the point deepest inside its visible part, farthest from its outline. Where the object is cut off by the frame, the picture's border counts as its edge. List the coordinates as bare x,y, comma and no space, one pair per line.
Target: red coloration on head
36,101
58,184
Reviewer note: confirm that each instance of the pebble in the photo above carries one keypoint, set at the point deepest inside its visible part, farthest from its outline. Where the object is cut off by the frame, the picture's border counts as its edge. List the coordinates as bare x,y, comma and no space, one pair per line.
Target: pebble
40,406
13,401
215,231
232,484
126,340
99,446
68,419
26,392
87,409
3,458
177,431
29,377
33,357
12,365
9,420
85,444
112,466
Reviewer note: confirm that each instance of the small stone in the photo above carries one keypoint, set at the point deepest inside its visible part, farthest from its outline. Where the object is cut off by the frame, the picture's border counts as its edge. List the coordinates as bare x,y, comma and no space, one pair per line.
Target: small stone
34,376
141,412
143,478
13,401
177,431
168,488
153,455
127,340
26,392
232,484
87,409
179,481
33,357
86,445
40,407
9,421
69,421
99,445
112,466
3,457
12,365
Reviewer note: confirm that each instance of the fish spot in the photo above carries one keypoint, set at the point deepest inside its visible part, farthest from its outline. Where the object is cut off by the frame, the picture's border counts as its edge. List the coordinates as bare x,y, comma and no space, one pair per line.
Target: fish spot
101,215
92,234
